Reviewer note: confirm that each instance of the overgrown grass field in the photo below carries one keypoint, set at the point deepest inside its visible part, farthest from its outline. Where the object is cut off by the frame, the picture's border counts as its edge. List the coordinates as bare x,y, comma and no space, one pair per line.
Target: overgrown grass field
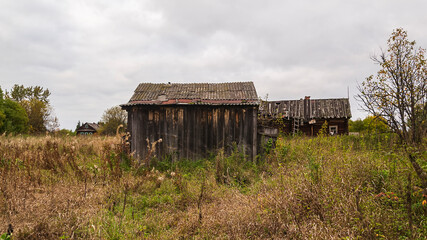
345,187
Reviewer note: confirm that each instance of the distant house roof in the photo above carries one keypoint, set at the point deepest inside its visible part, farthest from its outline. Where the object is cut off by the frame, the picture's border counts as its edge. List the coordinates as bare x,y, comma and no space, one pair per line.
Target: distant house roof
307,108
88,127
235,93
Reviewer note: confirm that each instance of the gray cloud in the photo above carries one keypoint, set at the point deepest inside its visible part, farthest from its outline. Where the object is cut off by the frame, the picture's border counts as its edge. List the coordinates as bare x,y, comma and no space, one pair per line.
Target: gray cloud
92,55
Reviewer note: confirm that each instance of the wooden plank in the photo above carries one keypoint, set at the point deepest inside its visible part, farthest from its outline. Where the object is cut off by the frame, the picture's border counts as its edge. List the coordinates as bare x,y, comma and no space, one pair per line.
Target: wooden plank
196,132
215,141
245,138
209,131
205,125
187,126
167,131
181,136
145,124
222,127
254,113
226,134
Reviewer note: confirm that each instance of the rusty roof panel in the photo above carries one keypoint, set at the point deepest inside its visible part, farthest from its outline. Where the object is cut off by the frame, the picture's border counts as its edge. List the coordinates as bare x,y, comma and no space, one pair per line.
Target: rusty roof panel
235,93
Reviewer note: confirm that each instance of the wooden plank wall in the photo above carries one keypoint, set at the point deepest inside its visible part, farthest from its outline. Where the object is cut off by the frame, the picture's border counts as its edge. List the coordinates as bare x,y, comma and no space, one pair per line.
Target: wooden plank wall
192,131
306,128
313,129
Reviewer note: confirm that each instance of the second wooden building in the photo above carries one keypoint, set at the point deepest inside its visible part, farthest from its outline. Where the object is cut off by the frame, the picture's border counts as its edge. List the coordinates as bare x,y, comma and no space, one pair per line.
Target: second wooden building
306,116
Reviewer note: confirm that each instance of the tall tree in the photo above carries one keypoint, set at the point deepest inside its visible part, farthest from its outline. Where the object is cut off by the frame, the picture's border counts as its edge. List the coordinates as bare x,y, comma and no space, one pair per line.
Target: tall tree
35,101
79,124
398,93
13,118
20,93
112,119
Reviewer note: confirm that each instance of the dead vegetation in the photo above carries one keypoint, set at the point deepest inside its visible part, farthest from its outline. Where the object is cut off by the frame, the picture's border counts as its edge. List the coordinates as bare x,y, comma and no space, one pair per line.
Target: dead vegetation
50,187
305,188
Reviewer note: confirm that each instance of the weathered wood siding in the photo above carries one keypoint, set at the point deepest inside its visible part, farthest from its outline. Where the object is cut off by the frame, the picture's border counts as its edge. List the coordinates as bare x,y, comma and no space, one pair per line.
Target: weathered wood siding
272,128
313,129
191,131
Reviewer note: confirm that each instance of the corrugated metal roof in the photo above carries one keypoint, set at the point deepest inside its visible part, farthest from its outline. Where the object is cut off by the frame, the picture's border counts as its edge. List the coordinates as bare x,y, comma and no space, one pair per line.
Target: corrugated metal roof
315,108
234,93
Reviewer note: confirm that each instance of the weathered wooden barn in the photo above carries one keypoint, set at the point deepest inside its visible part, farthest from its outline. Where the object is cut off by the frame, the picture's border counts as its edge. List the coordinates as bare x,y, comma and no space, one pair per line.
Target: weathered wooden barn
193,120
304,115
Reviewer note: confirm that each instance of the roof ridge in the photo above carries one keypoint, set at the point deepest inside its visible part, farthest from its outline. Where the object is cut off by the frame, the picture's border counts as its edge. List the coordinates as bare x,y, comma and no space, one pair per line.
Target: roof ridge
309,99
195,83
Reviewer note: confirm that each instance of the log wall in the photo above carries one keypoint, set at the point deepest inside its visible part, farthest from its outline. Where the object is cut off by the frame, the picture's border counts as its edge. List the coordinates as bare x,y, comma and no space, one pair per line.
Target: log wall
268,126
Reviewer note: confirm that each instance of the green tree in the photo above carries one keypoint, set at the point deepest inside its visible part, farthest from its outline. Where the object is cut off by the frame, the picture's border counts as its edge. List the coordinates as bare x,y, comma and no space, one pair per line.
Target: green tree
65,132
398,94
20,93
375,124
399,87
2,114
13,118
370,124
112,119
35,101
356,125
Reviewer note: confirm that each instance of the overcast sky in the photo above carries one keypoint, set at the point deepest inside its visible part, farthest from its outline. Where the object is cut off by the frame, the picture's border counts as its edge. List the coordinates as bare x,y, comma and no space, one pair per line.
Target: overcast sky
92,54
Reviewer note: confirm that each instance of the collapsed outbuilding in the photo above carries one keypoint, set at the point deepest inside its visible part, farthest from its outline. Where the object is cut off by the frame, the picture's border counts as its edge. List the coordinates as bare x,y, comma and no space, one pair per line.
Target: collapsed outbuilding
306,116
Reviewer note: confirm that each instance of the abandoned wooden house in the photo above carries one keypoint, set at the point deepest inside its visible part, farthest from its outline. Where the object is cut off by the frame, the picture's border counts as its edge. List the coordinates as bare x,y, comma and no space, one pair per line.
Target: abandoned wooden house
87,129
305,115
192,120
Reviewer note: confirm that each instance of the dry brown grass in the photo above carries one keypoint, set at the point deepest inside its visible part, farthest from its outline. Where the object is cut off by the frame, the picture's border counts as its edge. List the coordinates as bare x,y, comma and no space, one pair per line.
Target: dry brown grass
52,187
321,188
